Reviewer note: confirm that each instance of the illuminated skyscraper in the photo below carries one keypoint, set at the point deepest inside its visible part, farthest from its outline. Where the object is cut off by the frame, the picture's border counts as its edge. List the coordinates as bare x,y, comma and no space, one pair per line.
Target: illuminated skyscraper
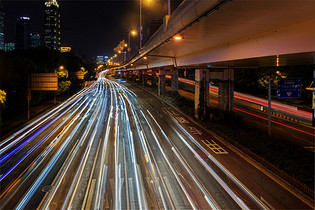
1,27
23,33
52,25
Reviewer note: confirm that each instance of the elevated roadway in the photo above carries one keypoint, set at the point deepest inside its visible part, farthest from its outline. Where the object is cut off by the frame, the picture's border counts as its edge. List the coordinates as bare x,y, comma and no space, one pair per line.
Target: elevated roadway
235,33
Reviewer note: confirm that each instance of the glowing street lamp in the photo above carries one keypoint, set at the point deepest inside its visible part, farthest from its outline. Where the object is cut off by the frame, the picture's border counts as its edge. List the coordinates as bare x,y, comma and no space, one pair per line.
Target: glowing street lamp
131,33
178,37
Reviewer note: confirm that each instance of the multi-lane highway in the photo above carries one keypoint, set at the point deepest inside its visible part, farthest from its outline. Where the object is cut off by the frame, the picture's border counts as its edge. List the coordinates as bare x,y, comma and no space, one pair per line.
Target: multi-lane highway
112,145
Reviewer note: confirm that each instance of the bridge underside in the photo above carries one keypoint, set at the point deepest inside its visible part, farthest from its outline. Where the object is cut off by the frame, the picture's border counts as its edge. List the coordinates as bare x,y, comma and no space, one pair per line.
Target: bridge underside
234,34
240,33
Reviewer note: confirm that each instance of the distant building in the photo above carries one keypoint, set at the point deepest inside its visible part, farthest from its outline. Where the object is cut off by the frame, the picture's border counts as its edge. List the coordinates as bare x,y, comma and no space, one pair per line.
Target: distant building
1,27
35,40
22,33
52,25
9,46
101,59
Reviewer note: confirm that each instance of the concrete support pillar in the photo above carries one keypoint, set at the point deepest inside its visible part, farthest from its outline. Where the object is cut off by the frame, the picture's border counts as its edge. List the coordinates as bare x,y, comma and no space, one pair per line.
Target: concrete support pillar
139,75
174,82
144,78
154,78
202,93
226,91
161,88
134,76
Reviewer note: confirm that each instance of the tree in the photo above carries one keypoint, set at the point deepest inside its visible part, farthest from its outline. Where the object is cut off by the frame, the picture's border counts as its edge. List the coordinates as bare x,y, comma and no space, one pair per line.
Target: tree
62,72
274,76
3,95
63,86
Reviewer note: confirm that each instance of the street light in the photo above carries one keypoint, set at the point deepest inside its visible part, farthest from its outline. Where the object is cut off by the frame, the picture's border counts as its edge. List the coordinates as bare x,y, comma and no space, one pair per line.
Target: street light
178,37
131,33
140,31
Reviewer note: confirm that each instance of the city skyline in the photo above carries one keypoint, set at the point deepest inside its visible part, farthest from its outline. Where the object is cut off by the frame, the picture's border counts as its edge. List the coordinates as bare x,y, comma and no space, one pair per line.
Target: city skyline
104,23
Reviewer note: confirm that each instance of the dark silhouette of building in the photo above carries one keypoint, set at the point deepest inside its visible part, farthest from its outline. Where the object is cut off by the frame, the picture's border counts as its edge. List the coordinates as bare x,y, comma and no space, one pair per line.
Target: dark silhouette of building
9,46
35,40
151,29
1,27
23,33
52,25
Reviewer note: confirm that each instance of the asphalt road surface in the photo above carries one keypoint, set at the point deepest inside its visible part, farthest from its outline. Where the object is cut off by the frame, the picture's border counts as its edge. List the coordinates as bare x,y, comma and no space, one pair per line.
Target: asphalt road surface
115,146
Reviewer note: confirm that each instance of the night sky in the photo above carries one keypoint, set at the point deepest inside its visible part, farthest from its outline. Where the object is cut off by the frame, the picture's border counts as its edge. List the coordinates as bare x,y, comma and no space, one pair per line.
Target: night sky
94,27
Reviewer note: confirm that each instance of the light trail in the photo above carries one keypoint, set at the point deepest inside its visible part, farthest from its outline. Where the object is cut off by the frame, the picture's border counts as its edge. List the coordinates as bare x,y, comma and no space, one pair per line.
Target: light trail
33,136
253,99
212,203
169,163
264,118
223,169
33,148
44,173
158,171
57,182
37,123
97,118
112,154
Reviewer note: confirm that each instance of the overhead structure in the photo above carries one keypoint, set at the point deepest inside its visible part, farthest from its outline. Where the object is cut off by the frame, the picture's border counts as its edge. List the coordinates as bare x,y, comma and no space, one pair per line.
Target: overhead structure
233,33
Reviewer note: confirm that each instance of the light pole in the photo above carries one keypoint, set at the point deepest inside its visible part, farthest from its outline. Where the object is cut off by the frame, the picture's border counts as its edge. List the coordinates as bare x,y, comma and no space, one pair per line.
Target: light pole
140,44
141,27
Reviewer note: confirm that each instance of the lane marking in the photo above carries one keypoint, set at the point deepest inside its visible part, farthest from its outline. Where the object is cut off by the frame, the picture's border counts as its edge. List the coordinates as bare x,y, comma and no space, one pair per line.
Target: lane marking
181,120
217,149
194,130
89,201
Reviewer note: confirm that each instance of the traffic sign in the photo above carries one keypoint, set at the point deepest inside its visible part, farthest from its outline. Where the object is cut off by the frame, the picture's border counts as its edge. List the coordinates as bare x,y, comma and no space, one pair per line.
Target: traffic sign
289,88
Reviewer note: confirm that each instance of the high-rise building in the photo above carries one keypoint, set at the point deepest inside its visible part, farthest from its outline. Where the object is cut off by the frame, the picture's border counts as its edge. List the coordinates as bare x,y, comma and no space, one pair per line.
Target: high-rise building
101,59
23,33
1,27
35,40
52,25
